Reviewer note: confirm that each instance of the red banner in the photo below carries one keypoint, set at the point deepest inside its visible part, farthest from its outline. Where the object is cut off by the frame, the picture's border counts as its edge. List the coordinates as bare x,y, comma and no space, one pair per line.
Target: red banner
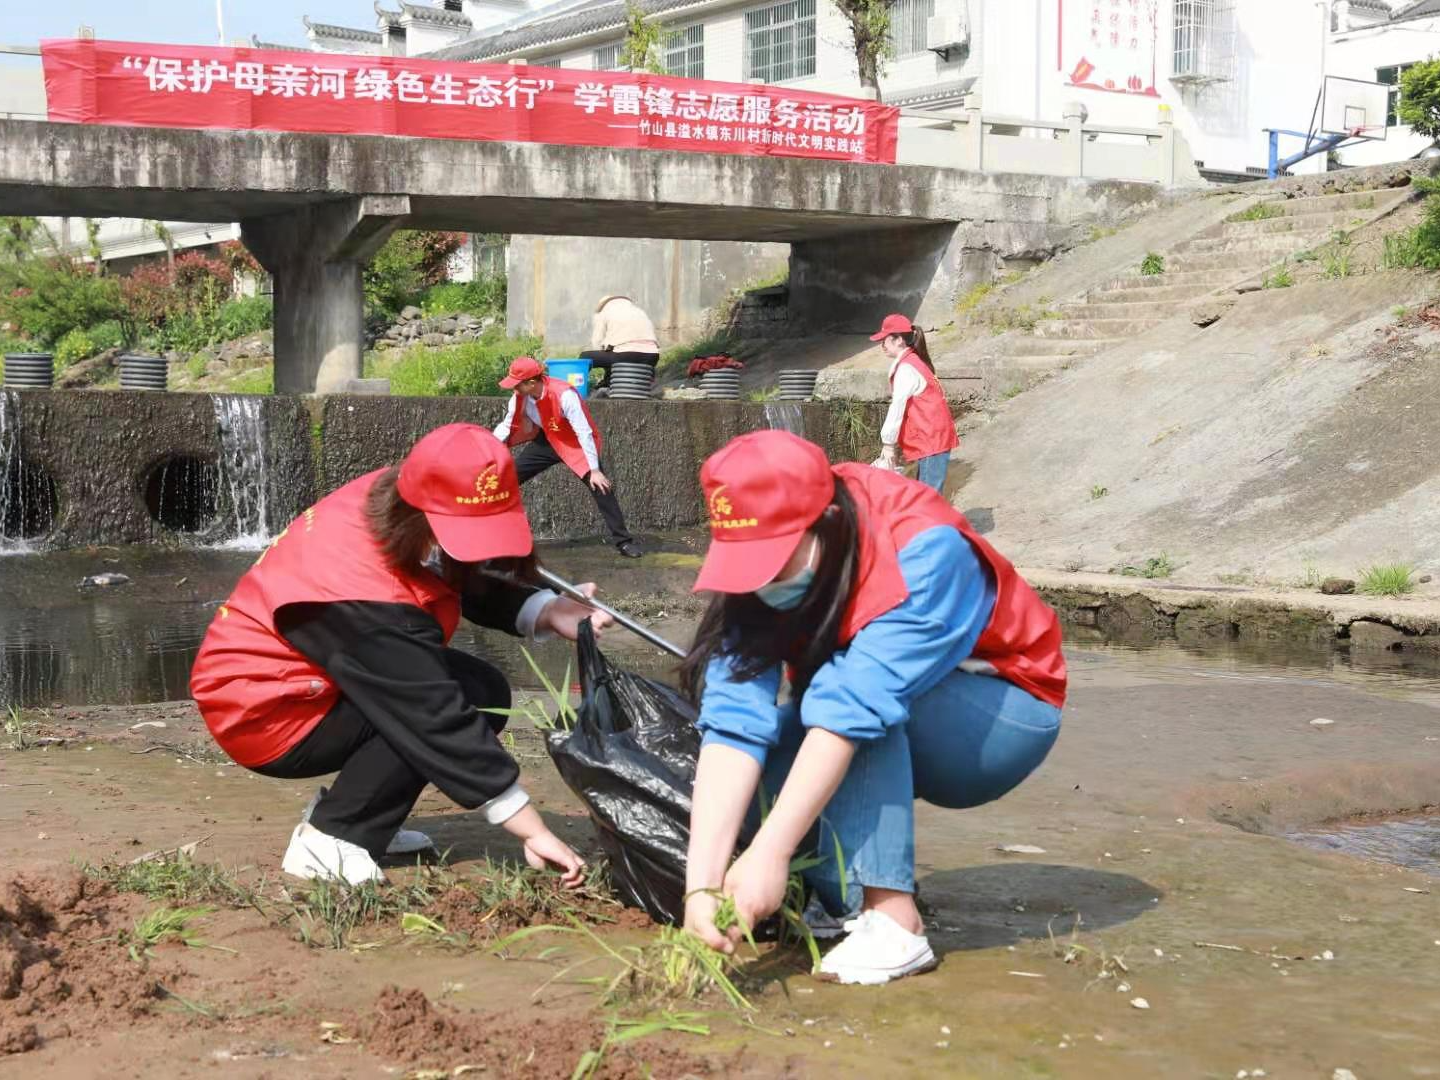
192,86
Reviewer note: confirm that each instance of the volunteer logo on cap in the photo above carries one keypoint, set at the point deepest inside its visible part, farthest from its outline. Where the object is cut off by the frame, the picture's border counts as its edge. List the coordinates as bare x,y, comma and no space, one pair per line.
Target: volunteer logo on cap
521,369
764,491
463,478
893,324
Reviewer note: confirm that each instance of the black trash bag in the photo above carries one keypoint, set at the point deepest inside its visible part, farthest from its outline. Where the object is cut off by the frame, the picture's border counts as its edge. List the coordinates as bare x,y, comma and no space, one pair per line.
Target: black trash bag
631,759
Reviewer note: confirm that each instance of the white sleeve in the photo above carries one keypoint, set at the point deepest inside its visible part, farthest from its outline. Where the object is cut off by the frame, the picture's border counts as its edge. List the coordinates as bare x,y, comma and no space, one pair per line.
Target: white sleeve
502,429
570,406
505,805
530,613
908,384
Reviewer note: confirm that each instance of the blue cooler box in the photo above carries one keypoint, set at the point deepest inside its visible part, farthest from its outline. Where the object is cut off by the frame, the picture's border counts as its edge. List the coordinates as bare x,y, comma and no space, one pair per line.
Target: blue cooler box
574,372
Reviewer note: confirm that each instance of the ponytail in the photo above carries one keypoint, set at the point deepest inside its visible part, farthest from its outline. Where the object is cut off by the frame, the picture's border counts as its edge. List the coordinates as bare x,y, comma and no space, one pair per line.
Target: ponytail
915,340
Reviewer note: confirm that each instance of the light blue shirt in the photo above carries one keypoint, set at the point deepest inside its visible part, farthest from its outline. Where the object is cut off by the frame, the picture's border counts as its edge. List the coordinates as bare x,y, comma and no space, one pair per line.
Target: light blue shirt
868,687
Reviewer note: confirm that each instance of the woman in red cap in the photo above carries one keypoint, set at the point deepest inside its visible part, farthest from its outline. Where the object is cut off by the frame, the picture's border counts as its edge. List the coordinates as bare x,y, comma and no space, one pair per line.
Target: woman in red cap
918,420
920,664
552,422
332,654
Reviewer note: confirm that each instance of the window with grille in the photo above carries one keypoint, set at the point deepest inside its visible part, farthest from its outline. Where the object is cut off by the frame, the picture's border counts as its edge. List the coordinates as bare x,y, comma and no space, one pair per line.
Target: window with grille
780,41
1204,41
685,52
1390,76
907,25
607,57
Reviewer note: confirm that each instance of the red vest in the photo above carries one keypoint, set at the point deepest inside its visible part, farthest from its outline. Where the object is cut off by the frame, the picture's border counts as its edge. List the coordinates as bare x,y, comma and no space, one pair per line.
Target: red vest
258,695
1022,639
927,427
558,431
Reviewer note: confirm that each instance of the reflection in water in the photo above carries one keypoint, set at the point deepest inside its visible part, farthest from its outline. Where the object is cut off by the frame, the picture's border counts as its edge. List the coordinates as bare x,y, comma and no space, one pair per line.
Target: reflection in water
133,644
1411,842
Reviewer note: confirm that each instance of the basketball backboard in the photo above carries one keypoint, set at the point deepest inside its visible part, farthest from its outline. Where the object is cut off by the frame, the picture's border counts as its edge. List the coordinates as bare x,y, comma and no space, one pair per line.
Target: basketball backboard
1354,107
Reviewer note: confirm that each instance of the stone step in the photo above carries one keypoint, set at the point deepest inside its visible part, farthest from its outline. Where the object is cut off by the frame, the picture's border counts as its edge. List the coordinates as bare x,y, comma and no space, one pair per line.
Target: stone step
1148,309
1339,219
1236,265
1129,294
1215,279
1363,201
1095,328
1260,245
1055,347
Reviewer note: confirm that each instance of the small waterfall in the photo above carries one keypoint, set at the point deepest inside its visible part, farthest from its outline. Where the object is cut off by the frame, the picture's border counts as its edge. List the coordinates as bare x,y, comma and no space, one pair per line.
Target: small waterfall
12,489
244,468
785,416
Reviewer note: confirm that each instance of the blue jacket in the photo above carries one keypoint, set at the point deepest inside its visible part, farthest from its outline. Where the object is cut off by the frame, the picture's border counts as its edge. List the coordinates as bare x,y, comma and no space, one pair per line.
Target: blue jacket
868,687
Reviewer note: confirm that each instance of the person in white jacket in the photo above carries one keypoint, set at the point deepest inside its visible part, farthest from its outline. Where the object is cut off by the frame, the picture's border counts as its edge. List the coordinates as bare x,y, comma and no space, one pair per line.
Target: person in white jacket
621,331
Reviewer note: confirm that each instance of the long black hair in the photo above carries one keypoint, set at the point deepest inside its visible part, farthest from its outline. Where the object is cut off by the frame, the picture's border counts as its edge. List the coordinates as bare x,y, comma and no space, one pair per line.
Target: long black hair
758,637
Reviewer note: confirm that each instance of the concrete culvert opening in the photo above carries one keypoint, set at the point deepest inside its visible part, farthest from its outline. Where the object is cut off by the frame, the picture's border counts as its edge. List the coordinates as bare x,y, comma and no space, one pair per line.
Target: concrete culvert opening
29,501
181,492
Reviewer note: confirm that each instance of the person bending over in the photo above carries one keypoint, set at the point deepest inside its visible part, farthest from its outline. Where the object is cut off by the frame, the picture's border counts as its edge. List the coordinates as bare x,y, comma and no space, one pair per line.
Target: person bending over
332,655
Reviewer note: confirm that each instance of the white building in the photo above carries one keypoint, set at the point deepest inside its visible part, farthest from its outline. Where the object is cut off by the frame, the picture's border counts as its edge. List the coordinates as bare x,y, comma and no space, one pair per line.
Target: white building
1227,69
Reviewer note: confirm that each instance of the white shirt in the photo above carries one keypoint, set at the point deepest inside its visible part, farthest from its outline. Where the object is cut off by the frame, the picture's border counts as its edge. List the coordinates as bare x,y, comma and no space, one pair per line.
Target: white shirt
570,406
908,383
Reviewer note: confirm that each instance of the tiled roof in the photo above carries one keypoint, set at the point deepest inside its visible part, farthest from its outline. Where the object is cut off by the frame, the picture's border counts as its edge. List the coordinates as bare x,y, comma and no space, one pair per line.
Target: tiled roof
256,43
1418,10
546,28
436,16
341,33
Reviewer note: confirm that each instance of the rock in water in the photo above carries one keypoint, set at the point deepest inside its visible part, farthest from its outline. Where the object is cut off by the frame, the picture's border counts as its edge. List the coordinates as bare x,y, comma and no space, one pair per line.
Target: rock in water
101,581
1337,586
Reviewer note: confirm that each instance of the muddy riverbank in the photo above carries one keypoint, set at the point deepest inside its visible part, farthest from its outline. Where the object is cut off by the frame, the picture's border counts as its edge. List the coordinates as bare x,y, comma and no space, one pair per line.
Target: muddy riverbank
1161,815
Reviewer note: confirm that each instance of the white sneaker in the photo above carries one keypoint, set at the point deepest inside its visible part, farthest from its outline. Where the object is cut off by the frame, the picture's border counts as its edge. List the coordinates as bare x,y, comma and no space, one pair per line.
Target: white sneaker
821,923
876,950
313,854
404,842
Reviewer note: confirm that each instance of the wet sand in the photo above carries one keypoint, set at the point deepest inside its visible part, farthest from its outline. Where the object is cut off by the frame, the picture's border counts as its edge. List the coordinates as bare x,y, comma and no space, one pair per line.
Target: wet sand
1161,814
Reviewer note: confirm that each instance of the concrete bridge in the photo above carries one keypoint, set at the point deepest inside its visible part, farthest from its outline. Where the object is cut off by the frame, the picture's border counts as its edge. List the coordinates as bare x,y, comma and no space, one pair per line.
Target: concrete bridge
314,208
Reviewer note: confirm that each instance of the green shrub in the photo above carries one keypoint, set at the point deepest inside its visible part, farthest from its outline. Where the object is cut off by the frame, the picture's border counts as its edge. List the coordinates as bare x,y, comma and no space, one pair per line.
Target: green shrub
107,335
44,299
1393,579
1157,566
484,296
472,369
1152,265
408,264
75,345
248,315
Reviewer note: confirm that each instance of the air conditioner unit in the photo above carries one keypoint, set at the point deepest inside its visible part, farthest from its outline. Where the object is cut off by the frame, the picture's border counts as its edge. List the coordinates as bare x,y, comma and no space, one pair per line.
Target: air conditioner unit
944,33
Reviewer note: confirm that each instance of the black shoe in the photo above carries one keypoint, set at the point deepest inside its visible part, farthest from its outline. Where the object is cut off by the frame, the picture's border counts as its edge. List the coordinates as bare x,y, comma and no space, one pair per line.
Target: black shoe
630,549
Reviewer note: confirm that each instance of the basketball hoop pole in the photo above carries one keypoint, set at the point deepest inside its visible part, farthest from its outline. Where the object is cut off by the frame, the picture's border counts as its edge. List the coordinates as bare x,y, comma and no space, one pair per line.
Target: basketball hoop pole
1313,146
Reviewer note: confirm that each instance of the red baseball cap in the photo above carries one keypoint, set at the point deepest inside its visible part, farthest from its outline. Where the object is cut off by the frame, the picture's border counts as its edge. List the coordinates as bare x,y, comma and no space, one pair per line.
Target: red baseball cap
763,491
521,368
464,479
893,324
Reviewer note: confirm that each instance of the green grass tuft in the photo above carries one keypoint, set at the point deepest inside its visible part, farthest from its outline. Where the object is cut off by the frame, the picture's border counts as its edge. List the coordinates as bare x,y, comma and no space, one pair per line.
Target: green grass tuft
1387,579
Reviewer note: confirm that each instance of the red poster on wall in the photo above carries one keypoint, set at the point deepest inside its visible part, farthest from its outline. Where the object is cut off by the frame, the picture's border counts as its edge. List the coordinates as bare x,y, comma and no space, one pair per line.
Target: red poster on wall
1110,45
192,86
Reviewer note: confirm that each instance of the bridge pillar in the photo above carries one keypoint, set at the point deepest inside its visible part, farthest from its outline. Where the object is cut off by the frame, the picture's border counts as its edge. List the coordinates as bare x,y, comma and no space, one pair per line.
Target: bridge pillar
850,283
316,255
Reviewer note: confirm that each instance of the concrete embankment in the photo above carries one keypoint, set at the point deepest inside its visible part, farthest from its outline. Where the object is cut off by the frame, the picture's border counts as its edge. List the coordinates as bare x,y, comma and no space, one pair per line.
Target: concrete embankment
1138,610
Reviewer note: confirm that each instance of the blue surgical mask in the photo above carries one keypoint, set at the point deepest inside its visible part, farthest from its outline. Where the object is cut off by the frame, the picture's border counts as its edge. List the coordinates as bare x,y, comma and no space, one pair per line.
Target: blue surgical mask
786,594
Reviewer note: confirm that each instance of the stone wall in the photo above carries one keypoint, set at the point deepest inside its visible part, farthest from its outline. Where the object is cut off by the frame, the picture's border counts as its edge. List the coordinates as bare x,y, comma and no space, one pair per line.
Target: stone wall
141,468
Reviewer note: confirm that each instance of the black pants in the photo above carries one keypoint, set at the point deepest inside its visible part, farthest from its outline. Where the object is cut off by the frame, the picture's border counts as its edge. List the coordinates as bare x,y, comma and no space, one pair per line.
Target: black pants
602,359
535,457
379,772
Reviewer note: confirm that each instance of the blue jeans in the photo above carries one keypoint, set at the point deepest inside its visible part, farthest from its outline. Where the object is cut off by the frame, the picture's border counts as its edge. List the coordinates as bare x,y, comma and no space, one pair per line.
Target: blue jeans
932,470
968,741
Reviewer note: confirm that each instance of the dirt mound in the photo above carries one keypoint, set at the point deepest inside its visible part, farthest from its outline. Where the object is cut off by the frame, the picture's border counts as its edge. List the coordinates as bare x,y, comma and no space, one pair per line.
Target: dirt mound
59,962
406,1027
